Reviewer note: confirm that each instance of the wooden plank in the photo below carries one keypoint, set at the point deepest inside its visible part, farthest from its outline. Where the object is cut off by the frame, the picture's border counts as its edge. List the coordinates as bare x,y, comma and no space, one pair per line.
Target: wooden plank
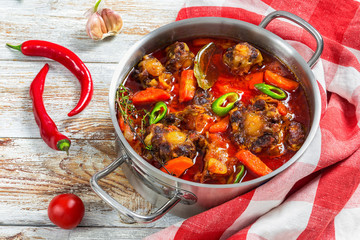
31,174
64,22
62,91
86,233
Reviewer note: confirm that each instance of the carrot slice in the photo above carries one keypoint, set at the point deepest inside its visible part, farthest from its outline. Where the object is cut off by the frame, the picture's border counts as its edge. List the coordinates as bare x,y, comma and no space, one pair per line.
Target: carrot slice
150,95
280,81
121,123
282,109
220,126
254,78
187,86
177,166
253,163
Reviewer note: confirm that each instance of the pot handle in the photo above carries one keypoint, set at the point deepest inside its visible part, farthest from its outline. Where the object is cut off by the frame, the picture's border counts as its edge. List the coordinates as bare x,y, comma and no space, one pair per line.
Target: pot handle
302,23
131,217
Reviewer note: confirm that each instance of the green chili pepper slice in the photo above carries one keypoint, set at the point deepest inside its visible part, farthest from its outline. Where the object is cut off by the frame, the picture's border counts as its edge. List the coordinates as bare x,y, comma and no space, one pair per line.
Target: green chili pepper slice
240,175
159,111
270,90
225,103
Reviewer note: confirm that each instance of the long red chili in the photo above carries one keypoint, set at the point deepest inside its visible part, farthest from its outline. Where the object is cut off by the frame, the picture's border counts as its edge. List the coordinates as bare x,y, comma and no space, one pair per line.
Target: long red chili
67,58
48,129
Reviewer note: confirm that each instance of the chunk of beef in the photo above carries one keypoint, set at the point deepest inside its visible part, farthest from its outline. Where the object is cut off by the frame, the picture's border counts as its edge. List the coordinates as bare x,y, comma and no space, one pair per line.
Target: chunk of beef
179,57
258,126
172,119
191,118
265,141
195,117
148,70
199,140
241,57
259,105
202,97
169,142
218,161
295,136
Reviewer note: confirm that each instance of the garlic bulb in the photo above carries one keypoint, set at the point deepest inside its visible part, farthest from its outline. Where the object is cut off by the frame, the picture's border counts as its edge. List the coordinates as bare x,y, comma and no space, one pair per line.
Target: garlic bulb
103,23
112,21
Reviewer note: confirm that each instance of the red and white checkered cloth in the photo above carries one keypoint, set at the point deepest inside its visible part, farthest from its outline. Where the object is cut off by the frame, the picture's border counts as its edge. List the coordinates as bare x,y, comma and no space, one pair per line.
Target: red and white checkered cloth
318,197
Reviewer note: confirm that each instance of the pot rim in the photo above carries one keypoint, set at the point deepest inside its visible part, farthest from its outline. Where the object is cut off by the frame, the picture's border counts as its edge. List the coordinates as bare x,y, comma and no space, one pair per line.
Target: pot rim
208,20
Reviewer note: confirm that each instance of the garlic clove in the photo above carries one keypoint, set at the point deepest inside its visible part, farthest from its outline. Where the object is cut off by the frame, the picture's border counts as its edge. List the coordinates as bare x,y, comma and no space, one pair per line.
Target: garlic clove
95,26
113,21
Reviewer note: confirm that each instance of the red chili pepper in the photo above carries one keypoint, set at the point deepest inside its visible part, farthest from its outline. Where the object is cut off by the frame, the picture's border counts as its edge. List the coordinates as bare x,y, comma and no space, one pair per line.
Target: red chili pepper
67,58
48,129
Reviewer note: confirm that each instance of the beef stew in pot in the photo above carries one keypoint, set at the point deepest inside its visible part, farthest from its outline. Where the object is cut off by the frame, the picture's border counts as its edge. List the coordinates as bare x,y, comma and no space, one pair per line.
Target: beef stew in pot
213,111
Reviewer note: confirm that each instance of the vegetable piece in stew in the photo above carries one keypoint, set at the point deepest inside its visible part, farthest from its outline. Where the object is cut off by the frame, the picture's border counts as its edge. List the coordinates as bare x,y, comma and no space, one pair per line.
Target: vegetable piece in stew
235,129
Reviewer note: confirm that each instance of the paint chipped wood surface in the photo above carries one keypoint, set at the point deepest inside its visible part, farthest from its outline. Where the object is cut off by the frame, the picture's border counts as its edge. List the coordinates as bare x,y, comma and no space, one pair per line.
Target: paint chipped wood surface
31,173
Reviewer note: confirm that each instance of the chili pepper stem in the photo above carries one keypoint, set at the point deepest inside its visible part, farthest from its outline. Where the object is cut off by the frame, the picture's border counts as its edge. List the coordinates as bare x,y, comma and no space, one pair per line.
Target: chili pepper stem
96,5
16,47
64,145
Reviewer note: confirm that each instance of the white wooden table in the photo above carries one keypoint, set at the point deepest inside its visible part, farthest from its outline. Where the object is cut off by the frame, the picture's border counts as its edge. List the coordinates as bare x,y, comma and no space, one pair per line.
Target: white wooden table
31,173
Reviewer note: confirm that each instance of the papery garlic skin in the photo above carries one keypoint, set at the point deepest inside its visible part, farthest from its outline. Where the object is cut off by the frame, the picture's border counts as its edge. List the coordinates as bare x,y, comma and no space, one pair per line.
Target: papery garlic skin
95,26
113,21
102,23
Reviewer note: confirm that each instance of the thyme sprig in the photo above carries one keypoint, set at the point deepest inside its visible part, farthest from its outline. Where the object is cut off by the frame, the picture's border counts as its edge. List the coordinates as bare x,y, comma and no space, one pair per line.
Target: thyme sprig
125,105
128,111
143,121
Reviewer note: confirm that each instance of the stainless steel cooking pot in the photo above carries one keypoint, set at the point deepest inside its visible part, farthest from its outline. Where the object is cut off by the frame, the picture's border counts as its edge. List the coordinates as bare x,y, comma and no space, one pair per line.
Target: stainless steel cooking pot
187,198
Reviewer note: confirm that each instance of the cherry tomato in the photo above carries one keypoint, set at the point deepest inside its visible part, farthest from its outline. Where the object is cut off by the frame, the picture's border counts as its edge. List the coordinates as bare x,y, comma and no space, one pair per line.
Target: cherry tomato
66,211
